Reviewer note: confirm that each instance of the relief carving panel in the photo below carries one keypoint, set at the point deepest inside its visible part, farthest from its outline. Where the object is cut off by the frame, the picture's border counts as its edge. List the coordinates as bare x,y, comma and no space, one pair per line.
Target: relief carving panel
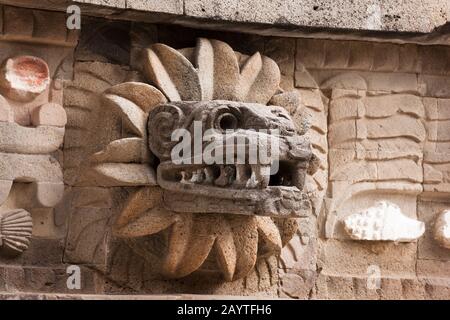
376,152
356,172
32,124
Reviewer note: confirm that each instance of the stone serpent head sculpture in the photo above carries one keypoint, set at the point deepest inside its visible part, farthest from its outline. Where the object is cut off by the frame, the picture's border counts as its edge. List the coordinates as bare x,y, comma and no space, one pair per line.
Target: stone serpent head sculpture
222,214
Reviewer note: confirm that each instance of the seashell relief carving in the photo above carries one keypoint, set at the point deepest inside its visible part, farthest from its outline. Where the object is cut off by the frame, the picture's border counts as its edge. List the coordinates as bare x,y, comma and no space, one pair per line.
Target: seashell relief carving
229,214
15,230
383,222
442,229
31,128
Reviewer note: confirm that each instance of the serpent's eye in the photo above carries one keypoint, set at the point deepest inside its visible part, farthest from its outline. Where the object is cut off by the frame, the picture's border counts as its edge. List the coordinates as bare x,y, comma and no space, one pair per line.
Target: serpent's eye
280,114
227,121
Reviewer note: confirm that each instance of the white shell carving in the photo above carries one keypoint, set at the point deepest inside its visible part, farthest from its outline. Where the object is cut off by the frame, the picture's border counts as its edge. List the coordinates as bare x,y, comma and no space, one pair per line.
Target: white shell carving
442,229
383,222
15,230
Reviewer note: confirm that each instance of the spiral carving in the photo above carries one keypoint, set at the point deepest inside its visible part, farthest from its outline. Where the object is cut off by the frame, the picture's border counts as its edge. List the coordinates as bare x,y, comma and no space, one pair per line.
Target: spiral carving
162,122
222,112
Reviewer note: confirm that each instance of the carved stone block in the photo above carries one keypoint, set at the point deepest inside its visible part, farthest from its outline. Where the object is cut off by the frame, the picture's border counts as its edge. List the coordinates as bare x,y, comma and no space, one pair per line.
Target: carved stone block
32,121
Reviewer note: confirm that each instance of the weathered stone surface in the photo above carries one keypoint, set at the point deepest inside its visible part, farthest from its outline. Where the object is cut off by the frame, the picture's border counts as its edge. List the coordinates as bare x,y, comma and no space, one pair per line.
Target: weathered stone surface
342,14
434,269
50,114
124,151
297,284
89,128
390,288
122,174
220,74
42,280
351,257
6,112
435,86
281,51
379,81
169,6
86,243
29,168
371,56
40,140
141,94
297,262
280,18
44,26
442,229
94,297
437,151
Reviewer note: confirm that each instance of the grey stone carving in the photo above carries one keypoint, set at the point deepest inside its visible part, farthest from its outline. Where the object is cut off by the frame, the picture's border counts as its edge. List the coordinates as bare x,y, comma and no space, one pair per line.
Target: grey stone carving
230,214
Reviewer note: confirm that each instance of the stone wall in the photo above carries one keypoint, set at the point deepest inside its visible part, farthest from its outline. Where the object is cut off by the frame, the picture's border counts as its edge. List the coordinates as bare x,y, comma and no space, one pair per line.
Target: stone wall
407,21
378,114
407,16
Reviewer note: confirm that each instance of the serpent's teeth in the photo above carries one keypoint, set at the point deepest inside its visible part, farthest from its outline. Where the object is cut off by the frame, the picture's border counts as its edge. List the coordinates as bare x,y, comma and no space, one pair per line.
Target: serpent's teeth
240,173
209,175
260,177
264,172
183,177
197,176
298,177
252,182
241,176
226,176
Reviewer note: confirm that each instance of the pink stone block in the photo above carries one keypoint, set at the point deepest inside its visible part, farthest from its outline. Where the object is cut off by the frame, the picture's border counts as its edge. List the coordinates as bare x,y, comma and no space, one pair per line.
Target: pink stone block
49,114
6,113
